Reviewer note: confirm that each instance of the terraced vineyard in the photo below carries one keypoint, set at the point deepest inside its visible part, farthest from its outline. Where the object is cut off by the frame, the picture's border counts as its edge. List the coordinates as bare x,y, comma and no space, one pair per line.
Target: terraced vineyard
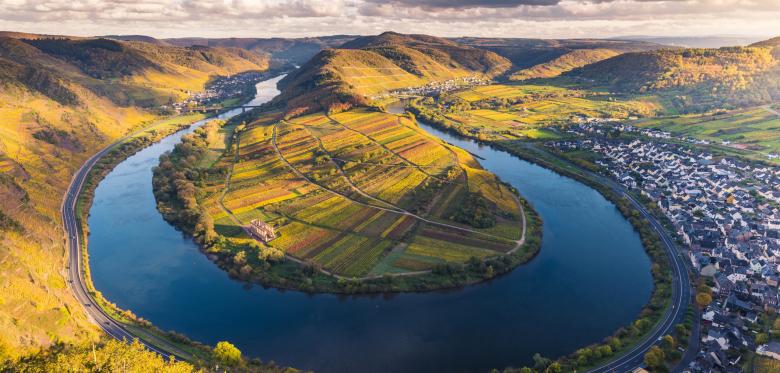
362,194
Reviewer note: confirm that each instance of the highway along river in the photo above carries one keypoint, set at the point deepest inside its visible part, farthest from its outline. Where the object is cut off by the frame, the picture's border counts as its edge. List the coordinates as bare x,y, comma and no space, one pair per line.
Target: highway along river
591,277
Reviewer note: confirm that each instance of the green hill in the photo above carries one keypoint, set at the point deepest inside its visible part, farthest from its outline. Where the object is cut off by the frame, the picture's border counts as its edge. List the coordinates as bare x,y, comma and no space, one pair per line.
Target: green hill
127,73
280,51
564,63
526,53
369,66
61,100
696,79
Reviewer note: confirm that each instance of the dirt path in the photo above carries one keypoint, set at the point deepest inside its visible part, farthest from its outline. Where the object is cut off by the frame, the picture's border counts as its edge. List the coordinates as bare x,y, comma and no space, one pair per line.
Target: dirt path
519,243
377,143
348,180
771,110
397,209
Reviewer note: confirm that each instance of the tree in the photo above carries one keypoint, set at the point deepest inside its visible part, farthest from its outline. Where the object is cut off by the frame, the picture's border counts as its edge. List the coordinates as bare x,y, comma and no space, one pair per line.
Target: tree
615,343
240,258
541,362
554,368
762,338
655,357
604,350
227,354
668,343
108,356
703,299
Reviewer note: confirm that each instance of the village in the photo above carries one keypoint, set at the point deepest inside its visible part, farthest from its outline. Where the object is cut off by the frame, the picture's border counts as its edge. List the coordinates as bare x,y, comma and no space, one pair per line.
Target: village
220,89
726,213
434,88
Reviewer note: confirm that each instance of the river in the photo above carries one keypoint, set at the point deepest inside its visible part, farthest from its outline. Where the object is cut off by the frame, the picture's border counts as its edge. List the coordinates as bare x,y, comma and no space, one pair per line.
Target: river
590,278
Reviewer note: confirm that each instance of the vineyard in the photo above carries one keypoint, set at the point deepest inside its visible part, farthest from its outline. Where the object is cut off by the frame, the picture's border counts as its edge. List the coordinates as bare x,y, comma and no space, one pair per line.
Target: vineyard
527,111
359,193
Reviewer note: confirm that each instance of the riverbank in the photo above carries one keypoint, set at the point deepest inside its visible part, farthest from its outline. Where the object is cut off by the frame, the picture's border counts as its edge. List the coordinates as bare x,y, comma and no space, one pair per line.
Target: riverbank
660,302
130,325
240,258
118,152
591,270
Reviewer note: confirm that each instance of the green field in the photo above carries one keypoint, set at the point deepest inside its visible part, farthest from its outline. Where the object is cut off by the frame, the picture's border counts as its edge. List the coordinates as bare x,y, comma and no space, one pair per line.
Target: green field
754,132
346,190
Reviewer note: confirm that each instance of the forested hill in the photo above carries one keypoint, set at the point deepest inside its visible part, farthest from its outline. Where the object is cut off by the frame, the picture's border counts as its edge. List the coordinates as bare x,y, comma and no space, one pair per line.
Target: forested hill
128,73
564,63
525,53
61,100
337,79
280,51
699,79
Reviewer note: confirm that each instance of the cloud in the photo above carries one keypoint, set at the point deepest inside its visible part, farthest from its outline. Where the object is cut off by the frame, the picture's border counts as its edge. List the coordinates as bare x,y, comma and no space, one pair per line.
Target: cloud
508,18
466,3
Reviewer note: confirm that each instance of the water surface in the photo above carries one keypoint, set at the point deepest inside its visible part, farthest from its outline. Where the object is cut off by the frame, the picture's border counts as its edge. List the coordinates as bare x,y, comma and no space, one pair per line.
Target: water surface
590,278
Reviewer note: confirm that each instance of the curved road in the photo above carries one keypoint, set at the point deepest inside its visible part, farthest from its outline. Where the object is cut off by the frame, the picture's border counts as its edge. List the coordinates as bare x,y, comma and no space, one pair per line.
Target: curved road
681,295
76,279
681,286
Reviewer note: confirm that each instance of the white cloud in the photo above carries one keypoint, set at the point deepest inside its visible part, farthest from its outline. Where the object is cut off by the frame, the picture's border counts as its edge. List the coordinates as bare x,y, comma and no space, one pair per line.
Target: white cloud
509,18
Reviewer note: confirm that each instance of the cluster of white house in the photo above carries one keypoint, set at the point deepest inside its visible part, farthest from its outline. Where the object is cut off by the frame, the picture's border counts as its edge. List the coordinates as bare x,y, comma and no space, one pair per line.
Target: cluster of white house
221,89
436,87
727,213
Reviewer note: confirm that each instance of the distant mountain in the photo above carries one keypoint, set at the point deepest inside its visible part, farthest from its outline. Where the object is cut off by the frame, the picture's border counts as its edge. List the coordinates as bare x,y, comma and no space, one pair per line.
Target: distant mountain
699,79
280,51
26,35
340,78
770,43
525,53
697,41
567,62
143,38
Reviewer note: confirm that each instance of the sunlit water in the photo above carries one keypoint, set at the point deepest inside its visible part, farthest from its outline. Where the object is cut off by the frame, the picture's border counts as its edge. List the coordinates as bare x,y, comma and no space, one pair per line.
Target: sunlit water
590,278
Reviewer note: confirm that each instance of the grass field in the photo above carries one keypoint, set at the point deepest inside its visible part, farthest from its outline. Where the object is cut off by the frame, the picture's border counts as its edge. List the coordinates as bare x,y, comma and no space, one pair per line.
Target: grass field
754,131
345,191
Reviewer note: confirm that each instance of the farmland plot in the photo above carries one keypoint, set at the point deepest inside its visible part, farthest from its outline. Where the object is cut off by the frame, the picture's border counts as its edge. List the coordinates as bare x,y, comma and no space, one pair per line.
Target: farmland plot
344,190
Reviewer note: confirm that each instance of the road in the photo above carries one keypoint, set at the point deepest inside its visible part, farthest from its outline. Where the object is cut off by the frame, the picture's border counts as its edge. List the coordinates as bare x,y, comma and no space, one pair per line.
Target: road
681,289
76,279
681,296
681,286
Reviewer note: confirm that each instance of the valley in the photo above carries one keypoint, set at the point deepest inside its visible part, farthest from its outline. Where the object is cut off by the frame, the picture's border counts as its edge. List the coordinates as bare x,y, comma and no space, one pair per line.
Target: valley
414,202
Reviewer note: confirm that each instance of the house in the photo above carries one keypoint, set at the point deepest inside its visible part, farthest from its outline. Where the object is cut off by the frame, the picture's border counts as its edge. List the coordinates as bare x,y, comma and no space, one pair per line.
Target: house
718,336
771,349
261,230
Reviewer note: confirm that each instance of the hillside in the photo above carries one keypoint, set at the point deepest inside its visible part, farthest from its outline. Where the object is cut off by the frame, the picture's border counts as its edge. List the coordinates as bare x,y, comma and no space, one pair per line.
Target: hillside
370,66
525,53
564,63
61,100
698,79
280,51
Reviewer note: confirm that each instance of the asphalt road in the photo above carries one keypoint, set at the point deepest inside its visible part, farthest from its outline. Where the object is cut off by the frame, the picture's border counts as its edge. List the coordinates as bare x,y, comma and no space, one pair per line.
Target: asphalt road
76,279
681,296
681,287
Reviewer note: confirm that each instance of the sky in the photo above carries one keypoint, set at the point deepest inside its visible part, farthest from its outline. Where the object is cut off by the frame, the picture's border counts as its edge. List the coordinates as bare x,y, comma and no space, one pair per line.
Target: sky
299,18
